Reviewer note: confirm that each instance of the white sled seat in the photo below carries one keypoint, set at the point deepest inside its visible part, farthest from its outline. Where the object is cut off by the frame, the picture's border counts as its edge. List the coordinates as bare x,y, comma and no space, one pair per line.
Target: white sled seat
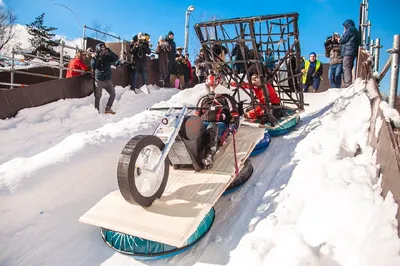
188,197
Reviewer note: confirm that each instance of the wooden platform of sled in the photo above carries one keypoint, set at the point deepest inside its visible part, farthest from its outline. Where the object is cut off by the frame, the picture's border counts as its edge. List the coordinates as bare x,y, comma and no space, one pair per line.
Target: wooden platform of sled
188,197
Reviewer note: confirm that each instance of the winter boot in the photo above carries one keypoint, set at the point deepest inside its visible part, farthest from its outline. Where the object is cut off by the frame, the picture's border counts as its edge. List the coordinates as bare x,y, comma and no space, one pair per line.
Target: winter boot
109,111
208,160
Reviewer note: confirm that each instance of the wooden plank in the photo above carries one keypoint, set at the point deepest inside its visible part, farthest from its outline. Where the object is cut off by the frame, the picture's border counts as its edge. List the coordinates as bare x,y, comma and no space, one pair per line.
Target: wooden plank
187,199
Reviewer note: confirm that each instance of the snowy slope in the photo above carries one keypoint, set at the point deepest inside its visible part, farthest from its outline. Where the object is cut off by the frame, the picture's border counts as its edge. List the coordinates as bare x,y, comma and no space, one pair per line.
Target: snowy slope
309,201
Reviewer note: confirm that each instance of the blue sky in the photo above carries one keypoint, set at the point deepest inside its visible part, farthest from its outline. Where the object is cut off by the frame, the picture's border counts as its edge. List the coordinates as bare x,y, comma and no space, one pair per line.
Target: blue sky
318,18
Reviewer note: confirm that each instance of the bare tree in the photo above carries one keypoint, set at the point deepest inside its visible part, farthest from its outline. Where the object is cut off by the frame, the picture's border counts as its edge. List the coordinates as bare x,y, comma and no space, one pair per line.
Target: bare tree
7,26
99,27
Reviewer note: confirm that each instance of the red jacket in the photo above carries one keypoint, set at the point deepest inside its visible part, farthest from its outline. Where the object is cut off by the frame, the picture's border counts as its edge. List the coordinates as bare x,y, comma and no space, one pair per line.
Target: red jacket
76,63
189,65
259,111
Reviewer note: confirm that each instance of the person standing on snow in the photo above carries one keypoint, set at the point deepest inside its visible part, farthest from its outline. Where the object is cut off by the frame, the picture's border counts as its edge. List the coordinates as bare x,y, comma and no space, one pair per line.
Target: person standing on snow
172,52
101,71
312,72
201,66
349,43
188,75
163,48
178,69
139,50
332,51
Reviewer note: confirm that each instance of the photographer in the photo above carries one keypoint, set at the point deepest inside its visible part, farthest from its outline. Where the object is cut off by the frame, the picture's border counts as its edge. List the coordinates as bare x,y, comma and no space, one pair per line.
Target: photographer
101,71
162,50
178,69
332,51
139,48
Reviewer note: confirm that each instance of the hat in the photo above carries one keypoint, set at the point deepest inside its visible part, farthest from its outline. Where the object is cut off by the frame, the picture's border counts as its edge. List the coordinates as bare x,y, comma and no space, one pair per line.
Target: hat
170,32
179,48
312,53
161,39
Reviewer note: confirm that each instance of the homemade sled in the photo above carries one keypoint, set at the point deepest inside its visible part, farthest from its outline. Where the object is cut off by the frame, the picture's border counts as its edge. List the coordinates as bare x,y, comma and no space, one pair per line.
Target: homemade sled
177,213
265,48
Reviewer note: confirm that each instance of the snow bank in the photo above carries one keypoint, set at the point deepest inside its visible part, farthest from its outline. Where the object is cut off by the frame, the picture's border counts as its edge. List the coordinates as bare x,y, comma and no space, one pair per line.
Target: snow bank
390,114
61,128
331,212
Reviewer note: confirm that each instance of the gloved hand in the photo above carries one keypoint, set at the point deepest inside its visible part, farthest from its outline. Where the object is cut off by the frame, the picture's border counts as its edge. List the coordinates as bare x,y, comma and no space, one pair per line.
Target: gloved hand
232,127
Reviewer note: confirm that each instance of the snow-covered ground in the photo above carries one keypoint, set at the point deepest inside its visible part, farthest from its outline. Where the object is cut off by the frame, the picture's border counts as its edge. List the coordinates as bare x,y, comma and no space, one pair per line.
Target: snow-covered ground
309,202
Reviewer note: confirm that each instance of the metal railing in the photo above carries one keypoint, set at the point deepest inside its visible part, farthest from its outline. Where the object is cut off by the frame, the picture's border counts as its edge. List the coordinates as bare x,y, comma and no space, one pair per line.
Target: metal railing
371,66
374,50
60,64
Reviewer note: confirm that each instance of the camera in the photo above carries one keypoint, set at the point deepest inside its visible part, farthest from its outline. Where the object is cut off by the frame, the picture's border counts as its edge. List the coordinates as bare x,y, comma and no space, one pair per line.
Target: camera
330,43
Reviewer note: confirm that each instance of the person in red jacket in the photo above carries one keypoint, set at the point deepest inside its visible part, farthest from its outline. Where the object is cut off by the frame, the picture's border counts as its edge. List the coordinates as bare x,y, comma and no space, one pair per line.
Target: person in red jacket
189,74
76,63
258,111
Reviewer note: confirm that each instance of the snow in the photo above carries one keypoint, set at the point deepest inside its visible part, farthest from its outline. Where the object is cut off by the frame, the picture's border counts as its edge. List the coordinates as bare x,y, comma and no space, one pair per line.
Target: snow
335,214
378,126
311,200
390,114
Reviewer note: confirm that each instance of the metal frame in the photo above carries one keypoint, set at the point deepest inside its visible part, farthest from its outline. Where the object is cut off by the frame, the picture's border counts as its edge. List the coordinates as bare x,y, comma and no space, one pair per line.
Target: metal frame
278,32
60,66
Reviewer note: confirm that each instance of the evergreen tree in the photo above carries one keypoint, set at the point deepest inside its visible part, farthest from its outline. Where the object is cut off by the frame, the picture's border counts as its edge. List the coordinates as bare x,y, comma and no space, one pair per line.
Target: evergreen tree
42,37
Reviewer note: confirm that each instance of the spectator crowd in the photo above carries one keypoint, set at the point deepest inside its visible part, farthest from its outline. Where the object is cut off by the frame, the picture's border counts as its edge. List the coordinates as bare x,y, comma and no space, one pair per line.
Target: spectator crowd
175,69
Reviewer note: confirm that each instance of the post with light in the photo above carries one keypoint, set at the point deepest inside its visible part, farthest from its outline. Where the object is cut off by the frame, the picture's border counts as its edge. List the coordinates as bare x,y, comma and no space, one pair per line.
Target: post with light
188,11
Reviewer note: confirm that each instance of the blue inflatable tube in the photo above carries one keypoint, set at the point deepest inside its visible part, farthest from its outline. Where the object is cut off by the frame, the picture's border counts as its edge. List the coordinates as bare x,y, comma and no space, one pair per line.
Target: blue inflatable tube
286,127
262,145
241,178
143,249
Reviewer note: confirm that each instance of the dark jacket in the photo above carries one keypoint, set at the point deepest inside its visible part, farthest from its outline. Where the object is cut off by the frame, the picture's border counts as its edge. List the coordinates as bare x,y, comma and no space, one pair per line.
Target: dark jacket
172,52
350,40
335,56
139,51
101,65
162,50
201,66
179,65
237,52
223,104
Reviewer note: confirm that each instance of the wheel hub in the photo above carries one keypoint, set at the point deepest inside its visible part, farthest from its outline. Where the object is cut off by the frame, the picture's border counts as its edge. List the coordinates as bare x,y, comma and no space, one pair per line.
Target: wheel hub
147,181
